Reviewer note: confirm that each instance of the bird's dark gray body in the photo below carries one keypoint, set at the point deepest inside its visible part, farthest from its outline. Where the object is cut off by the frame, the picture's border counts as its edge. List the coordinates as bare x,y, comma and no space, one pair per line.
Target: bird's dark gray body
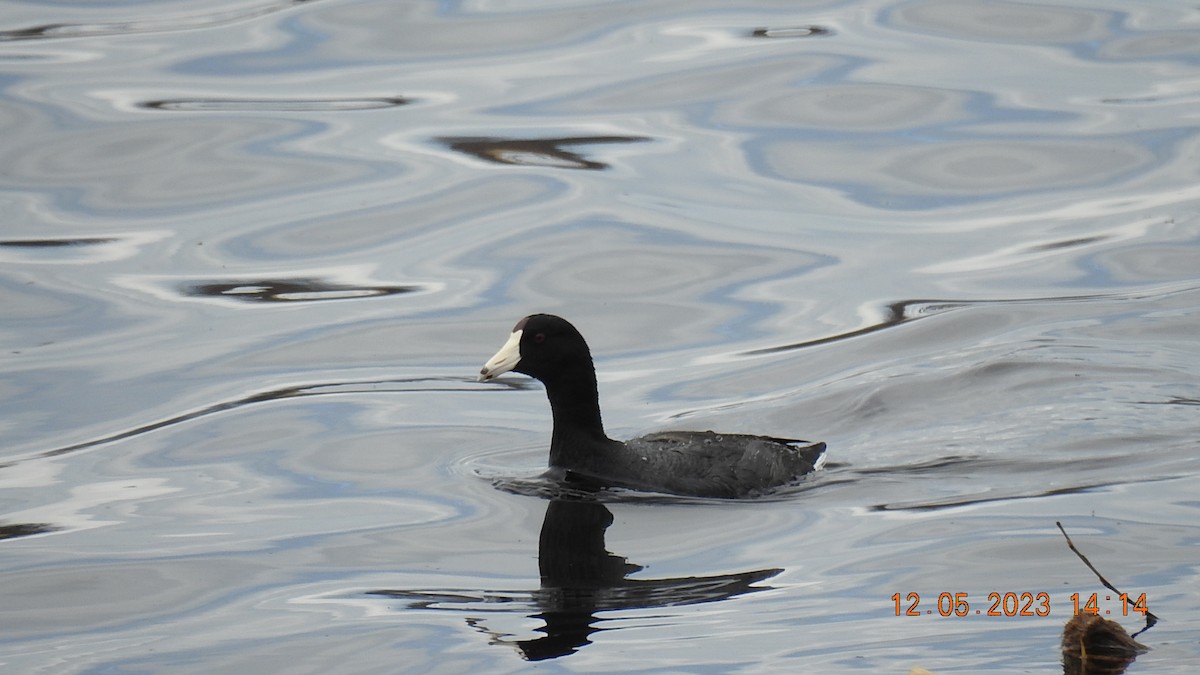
694,463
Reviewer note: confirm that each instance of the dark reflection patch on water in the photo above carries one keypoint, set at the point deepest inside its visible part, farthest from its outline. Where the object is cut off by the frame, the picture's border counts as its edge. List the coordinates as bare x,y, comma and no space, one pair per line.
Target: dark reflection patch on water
55,243
290,290
545,152
15,530
144,24
1067,243
66,249
274,105
792,32
579,579
318,285
1174,400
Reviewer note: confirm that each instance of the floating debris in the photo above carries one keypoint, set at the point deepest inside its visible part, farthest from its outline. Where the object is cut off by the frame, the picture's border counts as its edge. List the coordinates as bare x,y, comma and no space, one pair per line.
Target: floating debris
1093,645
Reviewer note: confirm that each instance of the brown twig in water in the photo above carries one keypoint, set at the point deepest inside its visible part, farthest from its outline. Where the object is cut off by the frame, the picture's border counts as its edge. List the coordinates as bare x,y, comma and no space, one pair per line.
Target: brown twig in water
1150,618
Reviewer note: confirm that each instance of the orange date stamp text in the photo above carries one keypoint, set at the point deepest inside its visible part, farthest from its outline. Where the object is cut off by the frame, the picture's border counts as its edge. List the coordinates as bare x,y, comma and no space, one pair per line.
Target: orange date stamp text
1012,604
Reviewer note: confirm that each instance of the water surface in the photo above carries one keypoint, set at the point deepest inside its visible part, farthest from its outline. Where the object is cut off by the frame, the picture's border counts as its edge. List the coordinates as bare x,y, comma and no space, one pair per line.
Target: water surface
254,253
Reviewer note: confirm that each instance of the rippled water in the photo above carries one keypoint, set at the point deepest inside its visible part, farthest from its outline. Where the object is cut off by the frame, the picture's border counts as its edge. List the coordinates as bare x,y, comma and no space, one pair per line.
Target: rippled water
253,254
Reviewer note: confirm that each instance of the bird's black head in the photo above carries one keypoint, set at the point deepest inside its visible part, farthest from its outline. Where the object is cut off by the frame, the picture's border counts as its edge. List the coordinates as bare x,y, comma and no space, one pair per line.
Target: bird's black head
542,346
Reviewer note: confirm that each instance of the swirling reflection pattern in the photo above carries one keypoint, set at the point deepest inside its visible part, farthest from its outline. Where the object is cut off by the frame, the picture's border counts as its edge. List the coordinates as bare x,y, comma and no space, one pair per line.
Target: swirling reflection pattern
253,252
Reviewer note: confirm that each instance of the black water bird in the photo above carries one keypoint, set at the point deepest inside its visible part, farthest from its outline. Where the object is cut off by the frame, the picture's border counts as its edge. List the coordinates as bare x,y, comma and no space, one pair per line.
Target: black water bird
694,463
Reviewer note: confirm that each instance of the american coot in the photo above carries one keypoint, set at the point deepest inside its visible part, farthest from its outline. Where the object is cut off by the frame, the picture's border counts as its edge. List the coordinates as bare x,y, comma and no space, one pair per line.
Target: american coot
696,463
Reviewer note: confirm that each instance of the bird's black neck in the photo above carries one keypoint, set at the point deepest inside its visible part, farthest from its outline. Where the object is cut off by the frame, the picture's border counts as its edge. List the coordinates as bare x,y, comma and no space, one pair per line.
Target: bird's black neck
575,404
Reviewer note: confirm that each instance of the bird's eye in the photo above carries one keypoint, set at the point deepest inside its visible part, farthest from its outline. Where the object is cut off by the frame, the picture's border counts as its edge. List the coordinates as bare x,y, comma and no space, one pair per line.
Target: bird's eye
539,338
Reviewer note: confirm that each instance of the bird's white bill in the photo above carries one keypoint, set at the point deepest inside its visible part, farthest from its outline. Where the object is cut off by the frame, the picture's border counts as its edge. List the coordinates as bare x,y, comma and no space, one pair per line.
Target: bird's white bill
820,463
505,360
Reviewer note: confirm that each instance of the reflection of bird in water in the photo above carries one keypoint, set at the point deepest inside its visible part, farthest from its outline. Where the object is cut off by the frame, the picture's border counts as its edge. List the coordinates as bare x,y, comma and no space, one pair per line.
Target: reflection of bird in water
579,579
577,574
701,464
